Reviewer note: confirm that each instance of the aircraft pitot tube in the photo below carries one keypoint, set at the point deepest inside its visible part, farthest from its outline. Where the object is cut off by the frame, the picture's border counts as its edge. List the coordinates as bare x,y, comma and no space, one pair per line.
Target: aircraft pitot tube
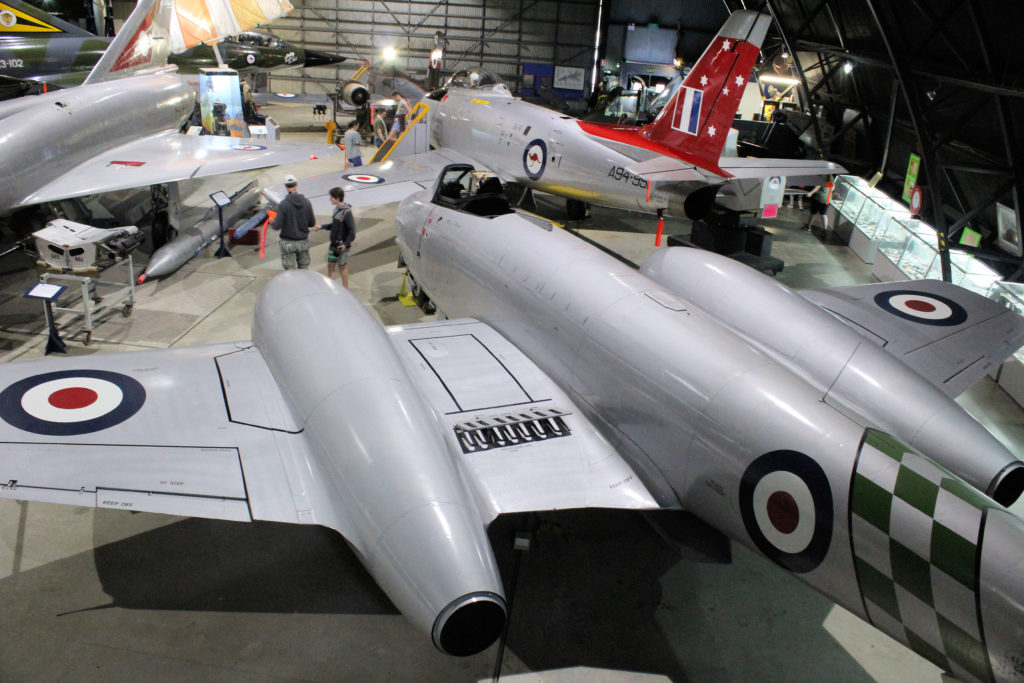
405,510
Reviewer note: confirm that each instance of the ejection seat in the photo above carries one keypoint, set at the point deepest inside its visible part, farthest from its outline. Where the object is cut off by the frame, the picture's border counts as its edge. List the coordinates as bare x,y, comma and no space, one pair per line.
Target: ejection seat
489,200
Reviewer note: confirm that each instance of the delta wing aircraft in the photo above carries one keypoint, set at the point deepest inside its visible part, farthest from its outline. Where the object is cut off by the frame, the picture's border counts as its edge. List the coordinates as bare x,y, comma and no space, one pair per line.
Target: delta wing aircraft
119,129
38,47
817,429
675,163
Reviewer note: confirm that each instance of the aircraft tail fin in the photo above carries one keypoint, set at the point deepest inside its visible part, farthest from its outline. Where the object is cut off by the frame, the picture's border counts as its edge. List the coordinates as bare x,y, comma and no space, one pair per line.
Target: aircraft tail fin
141,44
694,124
697,119
21,19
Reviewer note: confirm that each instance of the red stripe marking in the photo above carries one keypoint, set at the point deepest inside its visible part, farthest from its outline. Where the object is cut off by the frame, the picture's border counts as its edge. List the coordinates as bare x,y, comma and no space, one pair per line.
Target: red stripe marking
920,306
73,398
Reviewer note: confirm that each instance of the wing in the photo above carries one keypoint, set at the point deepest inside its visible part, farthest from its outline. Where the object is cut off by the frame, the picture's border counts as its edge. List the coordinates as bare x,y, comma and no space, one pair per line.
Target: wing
263,98
207,432
372,184
202,432
170,157
665,168
522,443
948,334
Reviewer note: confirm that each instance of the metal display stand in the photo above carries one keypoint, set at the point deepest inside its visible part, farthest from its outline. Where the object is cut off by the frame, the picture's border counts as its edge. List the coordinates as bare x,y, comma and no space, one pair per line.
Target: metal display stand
95,296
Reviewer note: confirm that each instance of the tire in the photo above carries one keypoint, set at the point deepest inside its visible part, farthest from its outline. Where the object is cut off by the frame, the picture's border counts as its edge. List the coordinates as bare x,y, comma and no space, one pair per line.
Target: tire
577,210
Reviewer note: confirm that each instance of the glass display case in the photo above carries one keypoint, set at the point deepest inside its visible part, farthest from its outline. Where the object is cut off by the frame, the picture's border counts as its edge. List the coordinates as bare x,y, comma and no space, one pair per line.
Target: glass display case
1011,374
909,248
966,271
844,184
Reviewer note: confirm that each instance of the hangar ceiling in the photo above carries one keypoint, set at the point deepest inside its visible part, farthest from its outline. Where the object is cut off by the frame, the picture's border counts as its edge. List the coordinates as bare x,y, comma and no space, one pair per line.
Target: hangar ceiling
940,79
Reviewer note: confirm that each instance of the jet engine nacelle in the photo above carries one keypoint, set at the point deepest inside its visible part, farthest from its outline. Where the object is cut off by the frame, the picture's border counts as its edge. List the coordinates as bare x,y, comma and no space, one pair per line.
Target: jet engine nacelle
852,372
395,493
354,93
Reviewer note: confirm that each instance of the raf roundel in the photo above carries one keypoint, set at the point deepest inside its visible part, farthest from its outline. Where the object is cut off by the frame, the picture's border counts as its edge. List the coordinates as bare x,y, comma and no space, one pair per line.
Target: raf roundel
929,309
535,159
364,178
786,505
249,148
71,402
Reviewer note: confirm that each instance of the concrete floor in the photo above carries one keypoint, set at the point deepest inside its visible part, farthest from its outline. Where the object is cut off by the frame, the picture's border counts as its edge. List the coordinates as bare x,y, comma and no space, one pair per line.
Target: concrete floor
97,594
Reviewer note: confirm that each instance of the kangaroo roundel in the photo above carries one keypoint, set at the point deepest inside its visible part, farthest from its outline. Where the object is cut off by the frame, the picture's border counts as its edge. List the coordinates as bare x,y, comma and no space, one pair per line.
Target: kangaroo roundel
535,159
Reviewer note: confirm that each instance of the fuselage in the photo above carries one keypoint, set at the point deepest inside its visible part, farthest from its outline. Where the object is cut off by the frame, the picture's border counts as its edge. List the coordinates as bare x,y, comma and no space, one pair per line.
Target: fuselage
545,150
44,136
719,427
65,61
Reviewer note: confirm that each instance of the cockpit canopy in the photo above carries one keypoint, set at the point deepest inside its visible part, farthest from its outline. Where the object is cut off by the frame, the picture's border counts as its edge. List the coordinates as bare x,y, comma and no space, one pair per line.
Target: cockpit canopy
462,187
475,79
472,78
255,40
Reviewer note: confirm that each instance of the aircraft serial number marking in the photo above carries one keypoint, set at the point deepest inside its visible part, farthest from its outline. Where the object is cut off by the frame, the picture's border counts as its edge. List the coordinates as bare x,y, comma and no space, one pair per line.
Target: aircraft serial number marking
622,175
12,64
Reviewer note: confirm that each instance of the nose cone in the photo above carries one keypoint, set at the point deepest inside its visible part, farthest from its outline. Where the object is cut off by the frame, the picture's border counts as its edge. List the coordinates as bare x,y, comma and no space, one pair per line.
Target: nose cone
314,58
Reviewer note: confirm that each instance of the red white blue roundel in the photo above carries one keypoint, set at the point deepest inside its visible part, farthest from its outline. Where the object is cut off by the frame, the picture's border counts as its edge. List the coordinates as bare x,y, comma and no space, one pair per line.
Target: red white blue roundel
786,505
249,148
930,309
71,402
364,178
535,159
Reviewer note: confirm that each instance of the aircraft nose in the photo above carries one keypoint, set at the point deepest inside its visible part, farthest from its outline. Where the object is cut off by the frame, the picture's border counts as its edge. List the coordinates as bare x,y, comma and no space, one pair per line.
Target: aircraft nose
314,58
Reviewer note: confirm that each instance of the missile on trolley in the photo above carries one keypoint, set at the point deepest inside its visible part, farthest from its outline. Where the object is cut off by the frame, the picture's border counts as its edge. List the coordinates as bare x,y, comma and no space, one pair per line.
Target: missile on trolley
179,251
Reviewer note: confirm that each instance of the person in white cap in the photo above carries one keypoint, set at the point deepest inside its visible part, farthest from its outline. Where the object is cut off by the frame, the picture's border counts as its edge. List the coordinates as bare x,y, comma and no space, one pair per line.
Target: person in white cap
294,219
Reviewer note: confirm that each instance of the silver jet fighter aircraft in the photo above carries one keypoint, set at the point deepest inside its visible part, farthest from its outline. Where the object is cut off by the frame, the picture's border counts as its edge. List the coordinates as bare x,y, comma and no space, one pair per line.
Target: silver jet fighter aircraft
817,430
572,382
119,129
676,163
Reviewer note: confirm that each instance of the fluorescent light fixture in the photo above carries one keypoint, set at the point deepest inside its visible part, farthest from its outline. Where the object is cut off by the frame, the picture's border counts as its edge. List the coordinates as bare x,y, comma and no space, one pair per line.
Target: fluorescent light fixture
389,53
784,80
847,67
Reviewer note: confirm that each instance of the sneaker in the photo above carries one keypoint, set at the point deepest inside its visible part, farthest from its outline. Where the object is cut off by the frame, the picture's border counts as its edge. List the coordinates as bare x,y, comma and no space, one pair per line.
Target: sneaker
805,227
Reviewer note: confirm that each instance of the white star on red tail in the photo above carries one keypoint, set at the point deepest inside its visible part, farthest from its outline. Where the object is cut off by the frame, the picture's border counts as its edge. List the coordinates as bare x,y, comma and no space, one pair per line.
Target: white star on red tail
725,91
711,131
703,80
739,81
726,44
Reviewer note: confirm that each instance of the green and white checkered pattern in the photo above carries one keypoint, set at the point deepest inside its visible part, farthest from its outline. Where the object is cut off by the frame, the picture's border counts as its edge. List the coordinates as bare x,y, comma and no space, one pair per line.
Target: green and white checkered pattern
914,528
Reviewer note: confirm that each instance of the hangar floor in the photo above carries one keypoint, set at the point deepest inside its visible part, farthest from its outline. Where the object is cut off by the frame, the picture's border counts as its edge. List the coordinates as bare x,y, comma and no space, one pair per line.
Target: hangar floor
97,594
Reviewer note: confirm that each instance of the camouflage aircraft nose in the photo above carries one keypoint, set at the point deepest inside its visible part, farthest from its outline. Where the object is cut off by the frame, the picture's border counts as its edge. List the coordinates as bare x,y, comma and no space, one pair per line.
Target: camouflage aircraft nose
314,58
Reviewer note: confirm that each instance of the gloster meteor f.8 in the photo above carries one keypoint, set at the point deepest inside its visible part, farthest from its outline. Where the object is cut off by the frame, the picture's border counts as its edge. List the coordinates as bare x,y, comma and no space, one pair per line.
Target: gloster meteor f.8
676,163
38,47
816,429
119,129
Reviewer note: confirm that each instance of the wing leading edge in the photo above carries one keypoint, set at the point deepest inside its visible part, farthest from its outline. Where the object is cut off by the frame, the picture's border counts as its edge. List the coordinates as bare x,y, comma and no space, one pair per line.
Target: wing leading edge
170,157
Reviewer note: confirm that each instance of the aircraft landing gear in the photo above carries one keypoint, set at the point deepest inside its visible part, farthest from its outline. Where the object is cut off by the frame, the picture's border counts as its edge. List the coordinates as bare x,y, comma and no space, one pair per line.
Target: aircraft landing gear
578,210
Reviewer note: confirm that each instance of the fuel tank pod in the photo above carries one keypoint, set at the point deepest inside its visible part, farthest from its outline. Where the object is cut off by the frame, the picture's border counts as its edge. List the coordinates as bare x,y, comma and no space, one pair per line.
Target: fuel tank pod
395,492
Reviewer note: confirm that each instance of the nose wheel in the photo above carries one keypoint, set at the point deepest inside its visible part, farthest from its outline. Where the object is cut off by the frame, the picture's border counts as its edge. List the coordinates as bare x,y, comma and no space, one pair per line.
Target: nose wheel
578,210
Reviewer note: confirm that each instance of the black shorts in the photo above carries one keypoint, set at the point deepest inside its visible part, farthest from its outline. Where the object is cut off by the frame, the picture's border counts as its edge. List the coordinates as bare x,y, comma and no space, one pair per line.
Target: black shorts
818,208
